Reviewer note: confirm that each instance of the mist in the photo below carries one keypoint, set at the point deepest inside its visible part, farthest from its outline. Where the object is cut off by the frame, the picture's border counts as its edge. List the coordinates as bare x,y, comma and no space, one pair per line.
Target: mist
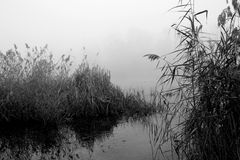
113,34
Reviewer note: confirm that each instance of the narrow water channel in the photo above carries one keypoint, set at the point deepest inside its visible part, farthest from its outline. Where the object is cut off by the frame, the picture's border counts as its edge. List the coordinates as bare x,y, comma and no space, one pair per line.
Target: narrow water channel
144,139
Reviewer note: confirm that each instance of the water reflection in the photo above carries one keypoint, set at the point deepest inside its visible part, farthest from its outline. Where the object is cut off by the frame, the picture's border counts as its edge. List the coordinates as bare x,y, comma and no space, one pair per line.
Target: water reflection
161,130
21,143
108,139
88,131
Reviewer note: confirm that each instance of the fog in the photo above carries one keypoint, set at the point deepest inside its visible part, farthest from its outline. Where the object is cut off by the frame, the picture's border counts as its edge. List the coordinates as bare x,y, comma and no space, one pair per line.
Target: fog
113,33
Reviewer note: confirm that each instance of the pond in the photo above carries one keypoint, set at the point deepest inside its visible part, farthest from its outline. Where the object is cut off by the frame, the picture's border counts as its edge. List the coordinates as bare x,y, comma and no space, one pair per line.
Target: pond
109,139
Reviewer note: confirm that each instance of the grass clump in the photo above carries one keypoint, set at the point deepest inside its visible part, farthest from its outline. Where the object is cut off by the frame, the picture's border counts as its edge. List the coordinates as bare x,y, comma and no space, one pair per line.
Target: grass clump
36,88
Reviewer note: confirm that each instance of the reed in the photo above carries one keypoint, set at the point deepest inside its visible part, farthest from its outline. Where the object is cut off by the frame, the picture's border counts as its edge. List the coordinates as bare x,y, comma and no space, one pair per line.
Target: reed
36,88
205,80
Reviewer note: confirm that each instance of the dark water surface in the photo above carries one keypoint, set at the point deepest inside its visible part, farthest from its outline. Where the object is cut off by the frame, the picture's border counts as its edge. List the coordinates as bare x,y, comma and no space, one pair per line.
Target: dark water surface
144,139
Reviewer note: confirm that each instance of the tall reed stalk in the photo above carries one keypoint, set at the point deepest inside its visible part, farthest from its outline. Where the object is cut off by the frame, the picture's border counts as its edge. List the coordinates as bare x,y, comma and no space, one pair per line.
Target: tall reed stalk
205,80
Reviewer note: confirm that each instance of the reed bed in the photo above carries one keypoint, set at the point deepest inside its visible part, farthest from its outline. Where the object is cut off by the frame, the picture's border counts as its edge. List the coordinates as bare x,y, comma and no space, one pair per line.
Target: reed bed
37,88
205,84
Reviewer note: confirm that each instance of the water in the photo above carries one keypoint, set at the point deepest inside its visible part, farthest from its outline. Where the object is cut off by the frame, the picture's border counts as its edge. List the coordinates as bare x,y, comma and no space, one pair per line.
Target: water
142,139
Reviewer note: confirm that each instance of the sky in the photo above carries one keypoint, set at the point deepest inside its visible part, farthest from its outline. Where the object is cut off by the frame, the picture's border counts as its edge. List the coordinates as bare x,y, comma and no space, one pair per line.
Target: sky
115,34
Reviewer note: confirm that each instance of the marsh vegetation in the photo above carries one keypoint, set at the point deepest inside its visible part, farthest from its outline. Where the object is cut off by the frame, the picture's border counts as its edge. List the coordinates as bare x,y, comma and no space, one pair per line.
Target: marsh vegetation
204,80
38,89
